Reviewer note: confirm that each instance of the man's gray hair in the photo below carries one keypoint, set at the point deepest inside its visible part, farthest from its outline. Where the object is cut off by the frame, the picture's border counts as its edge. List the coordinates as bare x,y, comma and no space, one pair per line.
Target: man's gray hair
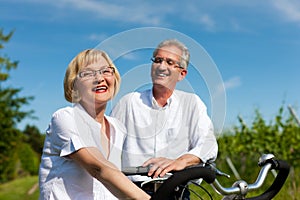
185,57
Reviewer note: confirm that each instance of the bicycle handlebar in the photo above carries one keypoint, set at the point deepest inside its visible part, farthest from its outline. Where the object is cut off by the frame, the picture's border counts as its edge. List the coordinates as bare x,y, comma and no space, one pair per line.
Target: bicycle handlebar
284,170
181,177
241,187
208,173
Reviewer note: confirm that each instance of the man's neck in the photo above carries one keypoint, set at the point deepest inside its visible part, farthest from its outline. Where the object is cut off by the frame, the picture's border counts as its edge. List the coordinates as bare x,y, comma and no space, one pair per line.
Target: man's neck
161,94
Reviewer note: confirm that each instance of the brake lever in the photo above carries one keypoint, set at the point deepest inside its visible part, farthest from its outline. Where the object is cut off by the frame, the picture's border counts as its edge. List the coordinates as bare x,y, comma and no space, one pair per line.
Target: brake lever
165,177
218,172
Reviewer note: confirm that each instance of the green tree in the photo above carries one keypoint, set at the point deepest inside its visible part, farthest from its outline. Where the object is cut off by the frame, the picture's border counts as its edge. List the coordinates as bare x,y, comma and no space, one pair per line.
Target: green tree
34,138
11,114
280,137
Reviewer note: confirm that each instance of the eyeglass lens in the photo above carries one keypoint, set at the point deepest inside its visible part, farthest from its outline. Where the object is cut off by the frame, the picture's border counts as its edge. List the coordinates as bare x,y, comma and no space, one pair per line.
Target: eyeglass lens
169,61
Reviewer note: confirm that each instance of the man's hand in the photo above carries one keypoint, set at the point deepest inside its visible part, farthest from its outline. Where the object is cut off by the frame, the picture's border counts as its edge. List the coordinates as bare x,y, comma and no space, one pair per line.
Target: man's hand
161,165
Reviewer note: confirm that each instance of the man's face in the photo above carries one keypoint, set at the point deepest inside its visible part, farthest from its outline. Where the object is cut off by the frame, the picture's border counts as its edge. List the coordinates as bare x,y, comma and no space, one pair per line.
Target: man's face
166,70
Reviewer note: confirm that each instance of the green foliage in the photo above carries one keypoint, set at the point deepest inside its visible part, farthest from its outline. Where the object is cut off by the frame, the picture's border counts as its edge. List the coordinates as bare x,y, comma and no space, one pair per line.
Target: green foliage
245,144
9,140
34,138
11,114
280,137
10,105
5,63
29,162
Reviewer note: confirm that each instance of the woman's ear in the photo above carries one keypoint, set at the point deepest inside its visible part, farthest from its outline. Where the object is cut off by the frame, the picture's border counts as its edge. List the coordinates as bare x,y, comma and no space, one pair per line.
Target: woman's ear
75,96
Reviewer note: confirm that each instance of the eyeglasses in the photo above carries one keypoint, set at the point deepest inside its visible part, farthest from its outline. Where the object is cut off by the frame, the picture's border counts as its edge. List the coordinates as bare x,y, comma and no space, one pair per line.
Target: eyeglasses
105,72
169,62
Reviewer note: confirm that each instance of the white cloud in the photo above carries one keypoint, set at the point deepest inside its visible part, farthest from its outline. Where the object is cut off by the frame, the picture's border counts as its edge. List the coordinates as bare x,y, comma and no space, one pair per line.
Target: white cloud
126,11
232,83
145,13
97,37
226,15
290,9
198,16
208,22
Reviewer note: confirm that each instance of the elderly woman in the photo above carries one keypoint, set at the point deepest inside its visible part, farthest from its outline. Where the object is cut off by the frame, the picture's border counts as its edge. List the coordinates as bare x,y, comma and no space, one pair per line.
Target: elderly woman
82,149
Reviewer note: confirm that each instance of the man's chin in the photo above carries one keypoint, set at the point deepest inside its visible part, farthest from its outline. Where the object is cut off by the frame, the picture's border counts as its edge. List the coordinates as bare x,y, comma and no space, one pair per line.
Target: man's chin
161,84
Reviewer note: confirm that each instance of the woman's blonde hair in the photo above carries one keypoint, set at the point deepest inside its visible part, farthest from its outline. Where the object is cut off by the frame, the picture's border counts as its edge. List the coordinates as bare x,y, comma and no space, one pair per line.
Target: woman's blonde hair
83,59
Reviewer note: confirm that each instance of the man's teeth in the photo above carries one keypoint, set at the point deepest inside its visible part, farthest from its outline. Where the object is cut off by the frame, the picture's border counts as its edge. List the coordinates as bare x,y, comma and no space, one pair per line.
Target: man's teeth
163,75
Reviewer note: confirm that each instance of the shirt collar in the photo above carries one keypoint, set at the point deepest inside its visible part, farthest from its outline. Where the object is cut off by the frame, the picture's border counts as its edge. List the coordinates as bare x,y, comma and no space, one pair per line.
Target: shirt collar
86,117
155,104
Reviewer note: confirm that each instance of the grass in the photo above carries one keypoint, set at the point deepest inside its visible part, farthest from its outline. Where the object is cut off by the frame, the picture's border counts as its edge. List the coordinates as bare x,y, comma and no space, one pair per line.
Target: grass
20,189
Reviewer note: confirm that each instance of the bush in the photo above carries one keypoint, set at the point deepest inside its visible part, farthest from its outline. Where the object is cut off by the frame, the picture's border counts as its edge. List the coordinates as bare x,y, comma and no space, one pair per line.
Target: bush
245,144
29,160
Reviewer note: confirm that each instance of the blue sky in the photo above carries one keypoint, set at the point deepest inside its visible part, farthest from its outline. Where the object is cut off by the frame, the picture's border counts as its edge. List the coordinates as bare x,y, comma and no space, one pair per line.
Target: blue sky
254,45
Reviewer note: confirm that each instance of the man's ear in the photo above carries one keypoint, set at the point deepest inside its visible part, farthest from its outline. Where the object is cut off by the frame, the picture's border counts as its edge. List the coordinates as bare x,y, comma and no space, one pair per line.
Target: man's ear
182,74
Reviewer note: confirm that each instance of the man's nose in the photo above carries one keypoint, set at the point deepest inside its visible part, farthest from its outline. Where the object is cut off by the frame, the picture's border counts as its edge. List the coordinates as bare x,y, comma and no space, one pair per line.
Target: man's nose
163,65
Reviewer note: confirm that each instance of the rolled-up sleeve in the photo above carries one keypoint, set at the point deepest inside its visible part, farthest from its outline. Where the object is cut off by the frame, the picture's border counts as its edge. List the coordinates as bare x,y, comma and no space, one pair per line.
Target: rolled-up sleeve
64,133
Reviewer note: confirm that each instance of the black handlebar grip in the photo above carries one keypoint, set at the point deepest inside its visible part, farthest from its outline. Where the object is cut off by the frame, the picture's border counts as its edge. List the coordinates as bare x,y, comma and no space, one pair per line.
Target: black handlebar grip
182,177
282,175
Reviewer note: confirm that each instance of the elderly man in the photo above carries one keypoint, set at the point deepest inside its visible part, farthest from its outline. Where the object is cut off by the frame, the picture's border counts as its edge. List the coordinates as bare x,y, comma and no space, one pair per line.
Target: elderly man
167,129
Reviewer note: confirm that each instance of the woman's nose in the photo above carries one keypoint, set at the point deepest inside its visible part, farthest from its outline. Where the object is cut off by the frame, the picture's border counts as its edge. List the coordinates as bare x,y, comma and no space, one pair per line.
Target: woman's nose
99,78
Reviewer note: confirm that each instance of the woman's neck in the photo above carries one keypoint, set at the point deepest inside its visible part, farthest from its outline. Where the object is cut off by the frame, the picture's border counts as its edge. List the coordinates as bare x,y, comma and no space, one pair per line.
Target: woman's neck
96,111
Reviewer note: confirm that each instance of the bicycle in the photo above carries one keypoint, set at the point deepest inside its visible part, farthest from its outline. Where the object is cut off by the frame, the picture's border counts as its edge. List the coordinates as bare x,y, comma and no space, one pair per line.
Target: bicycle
208,172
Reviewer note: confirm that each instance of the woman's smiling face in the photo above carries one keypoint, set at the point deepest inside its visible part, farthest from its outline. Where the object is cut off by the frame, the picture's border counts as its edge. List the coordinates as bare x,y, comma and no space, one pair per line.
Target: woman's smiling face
96,83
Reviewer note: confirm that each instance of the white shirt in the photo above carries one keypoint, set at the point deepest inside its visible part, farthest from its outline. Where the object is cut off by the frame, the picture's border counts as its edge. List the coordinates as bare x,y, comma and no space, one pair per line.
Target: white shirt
71,129
180,127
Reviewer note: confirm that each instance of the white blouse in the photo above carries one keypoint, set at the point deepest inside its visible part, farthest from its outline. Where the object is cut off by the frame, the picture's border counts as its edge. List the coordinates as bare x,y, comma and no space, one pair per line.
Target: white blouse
71,129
